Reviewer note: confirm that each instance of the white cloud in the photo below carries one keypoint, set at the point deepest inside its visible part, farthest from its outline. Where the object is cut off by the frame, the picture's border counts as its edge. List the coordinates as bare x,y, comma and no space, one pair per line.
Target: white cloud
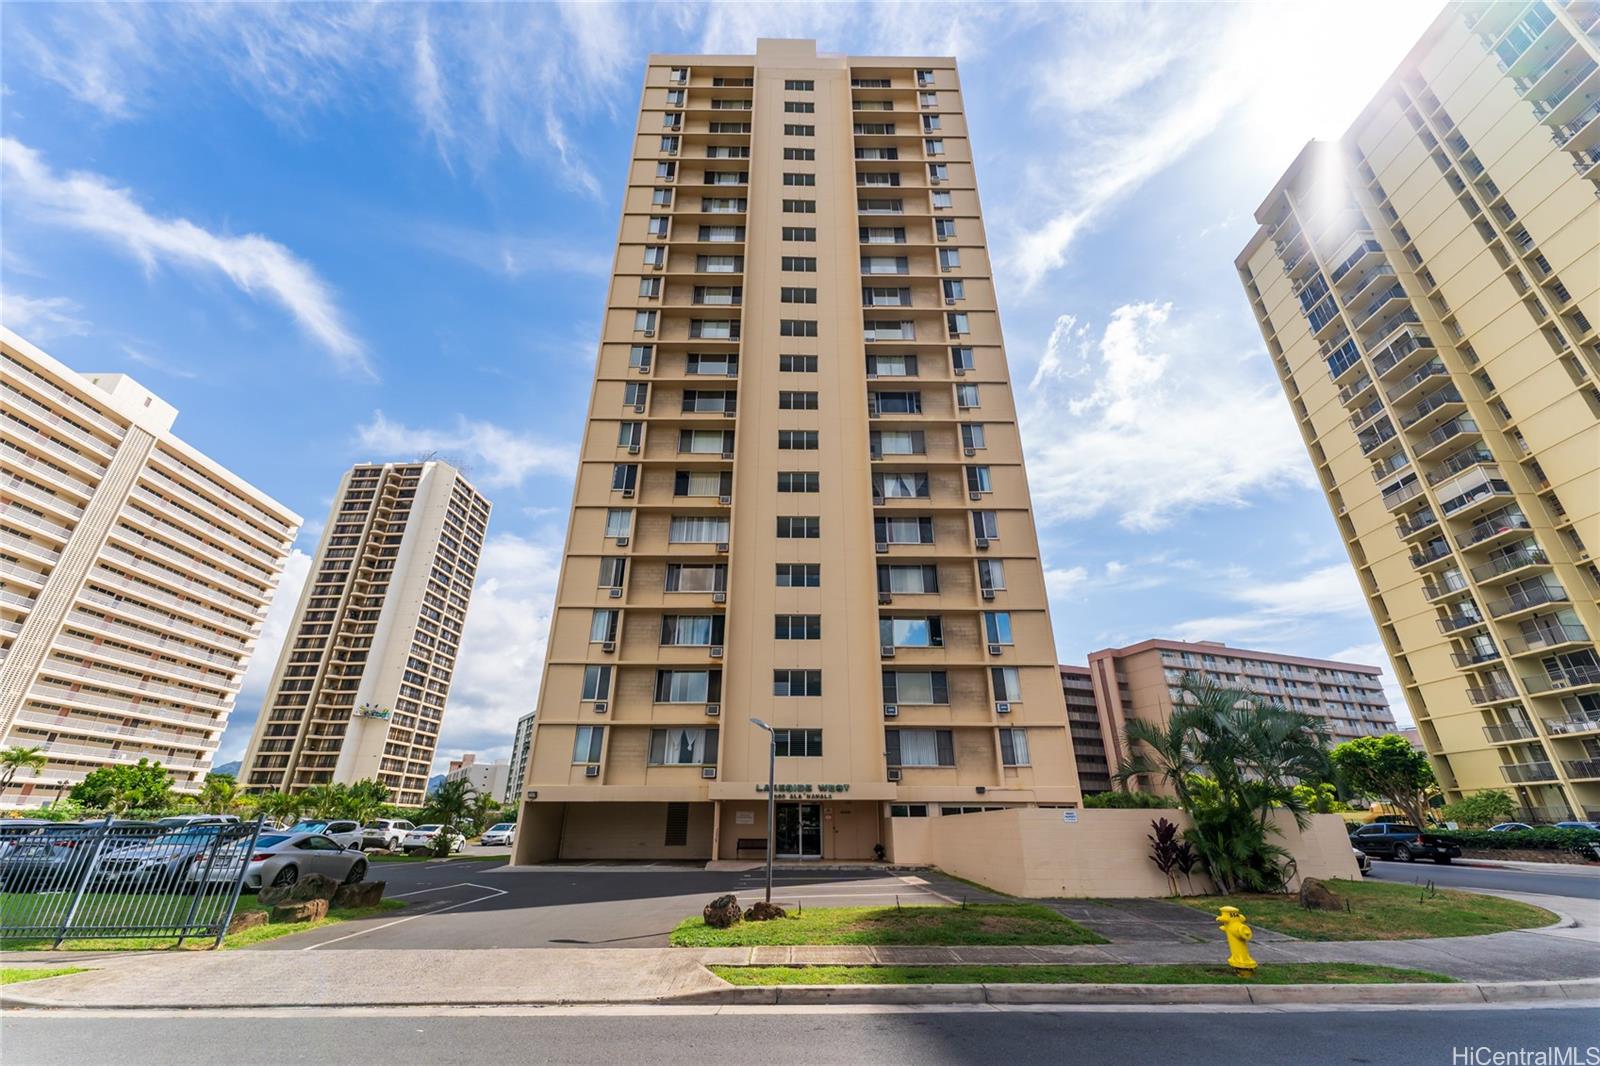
492,456
1282,609
1153,419
1058,582
41,317
258,675
161,366
511,254
257,265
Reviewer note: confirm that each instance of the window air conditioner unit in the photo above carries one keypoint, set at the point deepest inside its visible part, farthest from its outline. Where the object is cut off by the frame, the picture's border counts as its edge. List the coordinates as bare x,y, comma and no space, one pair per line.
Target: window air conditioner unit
713,709
726,501
633,449
871,376
934,181
616,593
942,237
657,265
961,371
877,499
994,649
890,710
719,597
649,333
1002,708
708,772
975,494
638,408
894,773
884,597
600,707
969,451
716,651
727,455
730,373
982,544
627,494
591,771
887,651
609,645
988,594
622,542
950,301
722,546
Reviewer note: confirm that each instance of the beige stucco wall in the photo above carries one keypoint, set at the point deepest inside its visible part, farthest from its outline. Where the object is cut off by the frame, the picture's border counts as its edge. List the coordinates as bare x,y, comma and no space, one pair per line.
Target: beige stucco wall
1035,852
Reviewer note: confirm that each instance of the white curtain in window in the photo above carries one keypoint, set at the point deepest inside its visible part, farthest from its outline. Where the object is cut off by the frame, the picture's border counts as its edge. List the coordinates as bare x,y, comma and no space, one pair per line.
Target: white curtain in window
918,747
687,687
698,529
618,522
906,578
915,687
690,629
897,443
697,579
678,747
705,441
902,486
704,483
600,626
904,531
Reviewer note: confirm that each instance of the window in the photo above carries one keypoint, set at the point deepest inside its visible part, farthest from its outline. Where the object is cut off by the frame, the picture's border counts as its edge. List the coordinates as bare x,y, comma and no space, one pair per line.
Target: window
624,476
927,99
723,151
722,234
667,170
654,255
978,479
878,153
800,153
799,86
723,205
703,483
619,522
881,207
911,579
797,743
1007,684
924,78
725,365
801,263
874,129
635,393
930,123
678,75
944,227
898,442
612,570
991,574
910,530
793,130
797,327
892,366
920,747
798,107
596,683
938,172
727,177
705,441
789,400
885,264
997,627
639,356
688,686
672,119
683,746
693,577
923,632
972,435
728,127
720,329
882,297
586,744
697,529
799,233
719,264
879,178
661,197
908,810
933,146
603,626
800,207
656,226
961,358
943,200
882,234
798,481
791,295
644,321
800,440
797,627
799,575
902,485
797,364
797,682
895,403
716,295
955,290
1014,747
949,258
691,630
903,329
669,145
918,688
733,83
799,527
967,397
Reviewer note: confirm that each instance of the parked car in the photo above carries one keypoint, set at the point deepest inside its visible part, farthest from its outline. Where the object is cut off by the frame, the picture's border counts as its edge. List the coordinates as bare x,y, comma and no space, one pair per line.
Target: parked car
14,829
344,833
1403,843
385,833
1363,862
498,835
422,837
160,860
40,861
178,821
1578,825
284,858
1510,827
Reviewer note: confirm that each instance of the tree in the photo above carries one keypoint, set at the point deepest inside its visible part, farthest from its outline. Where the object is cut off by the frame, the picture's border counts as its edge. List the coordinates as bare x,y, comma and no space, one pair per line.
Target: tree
1321,799
278,806
1129,801
144,786
1387,768
322,801
485,811
1481,809
219,794
14,760
450,804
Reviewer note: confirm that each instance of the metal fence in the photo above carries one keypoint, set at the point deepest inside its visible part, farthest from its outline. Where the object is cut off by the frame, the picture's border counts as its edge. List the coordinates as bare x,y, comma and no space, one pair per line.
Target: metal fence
122,879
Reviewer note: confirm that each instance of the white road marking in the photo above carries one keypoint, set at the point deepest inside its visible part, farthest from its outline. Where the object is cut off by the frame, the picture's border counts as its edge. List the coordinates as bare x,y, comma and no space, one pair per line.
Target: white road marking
493,892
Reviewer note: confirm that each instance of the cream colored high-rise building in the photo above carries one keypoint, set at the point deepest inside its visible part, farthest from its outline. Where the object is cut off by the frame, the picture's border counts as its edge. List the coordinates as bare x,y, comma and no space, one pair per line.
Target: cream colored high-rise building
801,496
361,683
1428,287
135,574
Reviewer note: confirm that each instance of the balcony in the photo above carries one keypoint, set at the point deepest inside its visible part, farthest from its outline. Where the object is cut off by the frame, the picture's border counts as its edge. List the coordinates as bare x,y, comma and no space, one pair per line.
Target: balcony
1354,389
1571,726
1491,691
1509,732
1546,637
1433,402
1527,600
1451,430
1402,352
1583,769
1429,554
1462,460
1427,372
1564,678
1528,772
1385,468
1510,563
1375,438
1453,585
1464,619
1563,134
1484,492
15,486
1365,413
1496,525
1362,250
1401,494
1415,525
1467,660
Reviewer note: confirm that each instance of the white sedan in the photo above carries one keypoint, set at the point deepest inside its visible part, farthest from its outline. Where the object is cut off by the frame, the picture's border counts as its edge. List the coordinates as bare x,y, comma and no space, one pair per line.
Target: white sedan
498,835
346,834
281,859
422,837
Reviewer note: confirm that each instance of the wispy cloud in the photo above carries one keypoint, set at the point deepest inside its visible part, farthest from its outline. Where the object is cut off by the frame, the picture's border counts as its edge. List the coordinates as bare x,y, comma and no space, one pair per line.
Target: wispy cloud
510,255
41,317
494,457
1284,608
258,266
145,359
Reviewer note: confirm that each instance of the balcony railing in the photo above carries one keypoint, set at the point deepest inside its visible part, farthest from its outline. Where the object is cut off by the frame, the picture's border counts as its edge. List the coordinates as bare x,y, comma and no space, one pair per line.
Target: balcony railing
1461,620
1493,526
1429,554
1504,564
1374,439
1564,133
1484,489
1416,377
1551,635
1446,433
1506,732
1572,725
1397,496
1525,772
1449,587
1564,677
1394,354
1490,691
1432,402
1523,599
1465,660
1458,462
1583,768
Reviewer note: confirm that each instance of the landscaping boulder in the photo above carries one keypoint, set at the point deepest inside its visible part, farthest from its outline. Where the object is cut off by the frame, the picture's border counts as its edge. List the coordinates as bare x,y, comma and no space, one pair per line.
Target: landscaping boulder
246,920
309,887
308,910
1315,895
722,912
365,894
764,912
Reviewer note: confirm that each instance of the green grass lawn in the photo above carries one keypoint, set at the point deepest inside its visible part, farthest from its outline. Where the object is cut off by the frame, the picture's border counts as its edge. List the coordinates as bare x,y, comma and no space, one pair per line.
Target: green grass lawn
988,923
168,905
1382,911
15,975
1289,973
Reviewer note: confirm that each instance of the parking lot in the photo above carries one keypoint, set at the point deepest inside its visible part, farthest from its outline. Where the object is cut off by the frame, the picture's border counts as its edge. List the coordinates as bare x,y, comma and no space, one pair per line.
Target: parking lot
483,904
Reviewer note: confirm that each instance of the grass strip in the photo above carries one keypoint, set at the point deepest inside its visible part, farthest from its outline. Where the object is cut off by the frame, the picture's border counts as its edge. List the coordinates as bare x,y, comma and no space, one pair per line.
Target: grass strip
979,923
1383,911
15,975
1289,973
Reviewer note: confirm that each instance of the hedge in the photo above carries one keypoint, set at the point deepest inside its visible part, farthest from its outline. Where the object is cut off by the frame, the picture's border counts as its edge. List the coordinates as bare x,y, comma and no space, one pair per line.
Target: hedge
1574,840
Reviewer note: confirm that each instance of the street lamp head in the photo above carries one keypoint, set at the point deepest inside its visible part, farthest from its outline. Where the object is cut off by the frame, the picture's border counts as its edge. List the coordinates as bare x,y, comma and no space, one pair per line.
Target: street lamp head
763,725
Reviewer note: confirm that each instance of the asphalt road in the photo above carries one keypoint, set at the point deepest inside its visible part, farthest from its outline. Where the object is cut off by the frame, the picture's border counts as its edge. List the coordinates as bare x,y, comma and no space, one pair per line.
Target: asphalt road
470,904
808,1036
1582,882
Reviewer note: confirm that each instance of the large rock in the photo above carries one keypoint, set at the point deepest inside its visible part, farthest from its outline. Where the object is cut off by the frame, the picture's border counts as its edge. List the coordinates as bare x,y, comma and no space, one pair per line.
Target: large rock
243,920
722,912
309,887
1315,895
762,911
365,894
308,910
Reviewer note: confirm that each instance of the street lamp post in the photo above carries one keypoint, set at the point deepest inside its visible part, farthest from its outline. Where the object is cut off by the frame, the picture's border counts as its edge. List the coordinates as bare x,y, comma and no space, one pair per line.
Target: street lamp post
772,807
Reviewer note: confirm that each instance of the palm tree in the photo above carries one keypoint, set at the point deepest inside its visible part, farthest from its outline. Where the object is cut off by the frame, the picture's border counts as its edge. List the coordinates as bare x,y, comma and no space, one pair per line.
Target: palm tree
14,760
322,801
365,800
278,806
450,804
219,794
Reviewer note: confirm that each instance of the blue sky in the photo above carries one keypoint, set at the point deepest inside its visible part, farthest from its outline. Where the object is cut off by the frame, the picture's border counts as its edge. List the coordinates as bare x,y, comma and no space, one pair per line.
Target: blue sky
339,233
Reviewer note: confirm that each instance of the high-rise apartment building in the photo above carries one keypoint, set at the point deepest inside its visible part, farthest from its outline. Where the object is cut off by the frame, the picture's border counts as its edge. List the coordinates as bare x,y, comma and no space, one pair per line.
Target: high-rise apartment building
484,778
361,683
1428,287
521,746
1086,724
801,496
134,577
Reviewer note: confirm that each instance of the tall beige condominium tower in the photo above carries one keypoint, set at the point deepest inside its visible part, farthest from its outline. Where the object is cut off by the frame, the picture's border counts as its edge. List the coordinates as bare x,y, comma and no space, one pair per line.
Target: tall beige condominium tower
134,577
365,671
1428,287
801,496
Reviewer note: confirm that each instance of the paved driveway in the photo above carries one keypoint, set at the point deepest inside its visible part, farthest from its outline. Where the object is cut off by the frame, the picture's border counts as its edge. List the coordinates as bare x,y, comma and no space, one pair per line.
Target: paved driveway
484,904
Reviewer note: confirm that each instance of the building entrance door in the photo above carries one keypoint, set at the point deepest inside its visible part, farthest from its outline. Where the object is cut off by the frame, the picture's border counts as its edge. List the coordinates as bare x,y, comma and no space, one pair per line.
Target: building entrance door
799,831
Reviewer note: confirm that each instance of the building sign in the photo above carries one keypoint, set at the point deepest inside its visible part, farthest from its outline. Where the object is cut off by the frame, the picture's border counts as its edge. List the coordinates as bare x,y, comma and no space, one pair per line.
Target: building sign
1069,816
373,710
782,791
744,817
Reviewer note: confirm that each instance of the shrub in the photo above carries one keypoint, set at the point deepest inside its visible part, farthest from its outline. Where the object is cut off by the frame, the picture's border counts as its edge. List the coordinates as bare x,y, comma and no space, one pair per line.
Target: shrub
1130,801
1576,841
1481,808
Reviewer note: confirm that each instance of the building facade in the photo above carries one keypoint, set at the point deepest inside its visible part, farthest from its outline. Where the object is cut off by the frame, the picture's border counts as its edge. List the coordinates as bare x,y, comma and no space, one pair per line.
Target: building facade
135,574
361,684
1428,288
1088,726
485,778
801,496
521,746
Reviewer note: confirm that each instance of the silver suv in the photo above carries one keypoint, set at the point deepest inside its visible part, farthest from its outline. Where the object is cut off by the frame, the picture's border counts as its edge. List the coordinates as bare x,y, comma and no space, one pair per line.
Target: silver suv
384,833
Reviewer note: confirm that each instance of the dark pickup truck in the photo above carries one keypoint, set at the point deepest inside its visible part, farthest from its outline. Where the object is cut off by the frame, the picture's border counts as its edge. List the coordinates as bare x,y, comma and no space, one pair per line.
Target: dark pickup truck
1403,843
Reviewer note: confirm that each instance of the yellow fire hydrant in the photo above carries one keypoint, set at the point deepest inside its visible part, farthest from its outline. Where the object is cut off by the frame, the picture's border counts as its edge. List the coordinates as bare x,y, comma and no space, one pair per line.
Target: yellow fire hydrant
1238,934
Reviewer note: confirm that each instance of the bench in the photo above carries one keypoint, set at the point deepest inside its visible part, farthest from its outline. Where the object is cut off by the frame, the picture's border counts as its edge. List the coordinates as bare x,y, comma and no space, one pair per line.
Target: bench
751,844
